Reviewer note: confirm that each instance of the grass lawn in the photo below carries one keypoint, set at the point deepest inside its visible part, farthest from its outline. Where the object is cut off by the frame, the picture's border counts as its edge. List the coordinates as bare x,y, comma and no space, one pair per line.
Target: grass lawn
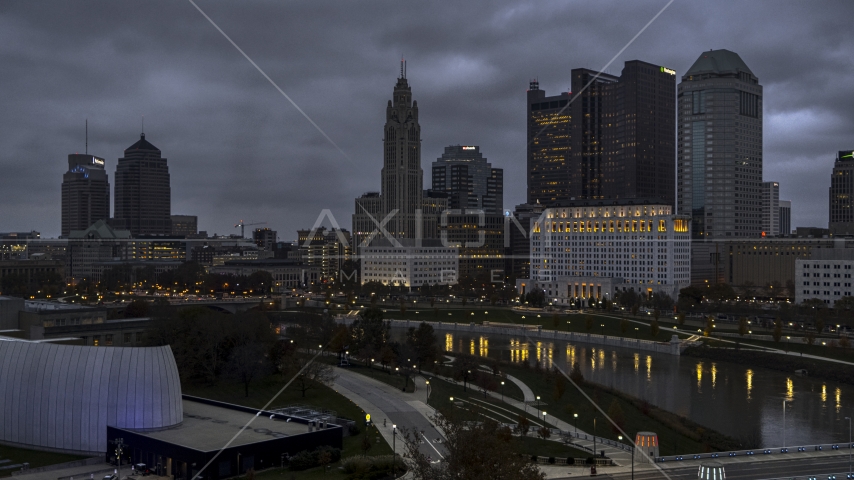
33,457
321,396
531,445
573,401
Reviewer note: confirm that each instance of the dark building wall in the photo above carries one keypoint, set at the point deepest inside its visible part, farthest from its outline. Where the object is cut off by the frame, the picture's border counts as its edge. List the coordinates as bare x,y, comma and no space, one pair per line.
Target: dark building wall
85,193
485,236
549,145
610,138
842,189
187,462
143,201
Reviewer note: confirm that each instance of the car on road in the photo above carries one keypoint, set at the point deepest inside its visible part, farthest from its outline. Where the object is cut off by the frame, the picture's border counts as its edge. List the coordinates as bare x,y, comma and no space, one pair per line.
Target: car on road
141,469
110,477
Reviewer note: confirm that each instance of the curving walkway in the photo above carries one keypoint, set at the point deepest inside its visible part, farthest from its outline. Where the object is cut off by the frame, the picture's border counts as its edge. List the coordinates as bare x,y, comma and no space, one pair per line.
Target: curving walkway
527,393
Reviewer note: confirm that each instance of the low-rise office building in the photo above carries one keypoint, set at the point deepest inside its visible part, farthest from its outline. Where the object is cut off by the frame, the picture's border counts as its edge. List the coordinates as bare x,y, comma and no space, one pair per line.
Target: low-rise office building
825,275
287,274
410,265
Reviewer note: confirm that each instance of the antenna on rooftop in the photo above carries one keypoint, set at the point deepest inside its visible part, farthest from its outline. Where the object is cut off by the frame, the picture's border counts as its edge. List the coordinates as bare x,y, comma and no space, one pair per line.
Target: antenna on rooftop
143,124
87,136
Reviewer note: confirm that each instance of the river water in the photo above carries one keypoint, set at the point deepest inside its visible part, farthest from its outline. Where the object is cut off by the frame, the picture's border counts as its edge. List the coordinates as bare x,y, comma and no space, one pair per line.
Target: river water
733,399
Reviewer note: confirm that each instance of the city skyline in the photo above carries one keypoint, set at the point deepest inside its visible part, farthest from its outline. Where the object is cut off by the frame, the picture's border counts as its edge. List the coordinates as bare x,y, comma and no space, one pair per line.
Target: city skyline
231,132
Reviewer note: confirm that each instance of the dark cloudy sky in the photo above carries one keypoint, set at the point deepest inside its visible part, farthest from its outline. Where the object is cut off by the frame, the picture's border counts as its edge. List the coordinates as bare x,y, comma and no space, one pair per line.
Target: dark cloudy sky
238,150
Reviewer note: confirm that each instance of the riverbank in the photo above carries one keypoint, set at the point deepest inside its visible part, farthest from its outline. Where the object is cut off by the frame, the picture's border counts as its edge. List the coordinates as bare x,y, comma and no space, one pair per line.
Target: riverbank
833,372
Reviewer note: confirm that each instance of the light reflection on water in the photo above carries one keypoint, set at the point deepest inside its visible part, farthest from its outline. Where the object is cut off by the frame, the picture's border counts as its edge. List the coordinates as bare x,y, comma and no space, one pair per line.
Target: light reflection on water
728,397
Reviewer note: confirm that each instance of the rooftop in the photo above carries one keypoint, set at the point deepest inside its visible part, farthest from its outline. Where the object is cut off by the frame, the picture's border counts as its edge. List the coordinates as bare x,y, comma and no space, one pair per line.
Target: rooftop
608,203
718,61
142,144
209,427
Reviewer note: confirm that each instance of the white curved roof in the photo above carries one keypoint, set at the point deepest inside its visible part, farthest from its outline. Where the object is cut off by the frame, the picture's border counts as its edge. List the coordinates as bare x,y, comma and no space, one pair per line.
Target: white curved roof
64,396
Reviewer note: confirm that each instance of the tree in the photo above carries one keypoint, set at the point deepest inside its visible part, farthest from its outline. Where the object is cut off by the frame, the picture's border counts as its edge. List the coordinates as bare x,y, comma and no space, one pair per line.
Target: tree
366,444
656,314
544,432
810,338
474,451
615,412
575,374
680,318
523,425
559,387
710,325
624,325
465,369
819,322
309,374
654,328
588,322
778,330
424,344
137,309
844,343
402,306
248,362
742,326
635,309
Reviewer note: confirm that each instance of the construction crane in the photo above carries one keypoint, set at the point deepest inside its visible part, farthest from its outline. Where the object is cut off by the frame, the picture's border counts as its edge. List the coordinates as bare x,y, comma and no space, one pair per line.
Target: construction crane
242,225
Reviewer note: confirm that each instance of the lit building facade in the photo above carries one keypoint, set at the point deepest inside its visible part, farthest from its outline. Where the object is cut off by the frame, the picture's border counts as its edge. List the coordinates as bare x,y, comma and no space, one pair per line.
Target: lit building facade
826,275
612,139
326,250
85,193
771,209
184,225
719,174
410,266
469,180
641,242
479,239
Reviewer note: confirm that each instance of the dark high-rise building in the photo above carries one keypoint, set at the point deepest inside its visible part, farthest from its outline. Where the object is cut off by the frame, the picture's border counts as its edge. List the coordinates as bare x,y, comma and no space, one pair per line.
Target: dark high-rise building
469,180
612,139
719,176
842,190
264,238
85,193
400,210
548,145
480,239
143,200
185,225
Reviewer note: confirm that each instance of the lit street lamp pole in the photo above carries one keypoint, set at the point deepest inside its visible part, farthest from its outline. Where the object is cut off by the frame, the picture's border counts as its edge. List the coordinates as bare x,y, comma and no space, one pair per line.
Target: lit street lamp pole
594,437
849,443
785,401
576,424
502,391
393,448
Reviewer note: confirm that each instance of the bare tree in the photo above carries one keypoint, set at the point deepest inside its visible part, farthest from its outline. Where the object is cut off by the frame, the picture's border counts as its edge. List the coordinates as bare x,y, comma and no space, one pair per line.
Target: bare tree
475,451
248,363
309,374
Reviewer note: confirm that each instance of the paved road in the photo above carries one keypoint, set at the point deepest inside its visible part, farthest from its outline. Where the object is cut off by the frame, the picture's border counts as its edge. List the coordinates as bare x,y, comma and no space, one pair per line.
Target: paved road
385,402
789,469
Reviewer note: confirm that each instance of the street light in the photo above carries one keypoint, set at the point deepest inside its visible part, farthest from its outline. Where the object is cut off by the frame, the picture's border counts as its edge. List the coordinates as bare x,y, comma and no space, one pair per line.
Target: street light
393,448
427,382
576,424
785,401
502,391
849,443
636,333
544,418
603,329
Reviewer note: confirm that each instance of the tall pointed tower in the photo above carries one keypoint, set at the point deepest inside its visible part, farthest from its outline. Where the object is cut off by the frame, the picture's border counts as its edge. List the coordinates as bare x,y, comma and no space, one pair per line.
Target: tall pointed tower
402,177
